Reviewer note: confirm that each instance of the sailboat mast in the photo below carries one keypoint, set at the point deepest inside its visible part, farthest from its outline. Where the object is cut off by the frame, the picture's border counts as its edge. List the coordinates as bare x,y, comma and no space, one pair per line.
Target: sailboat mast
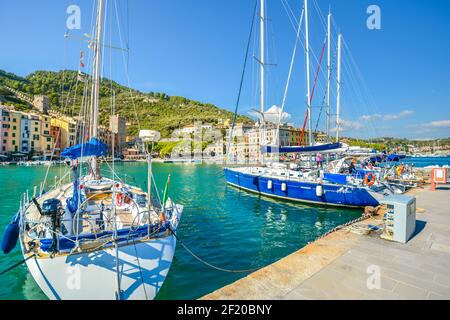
308,85
96,71
262,62
329,74
338,94
262,54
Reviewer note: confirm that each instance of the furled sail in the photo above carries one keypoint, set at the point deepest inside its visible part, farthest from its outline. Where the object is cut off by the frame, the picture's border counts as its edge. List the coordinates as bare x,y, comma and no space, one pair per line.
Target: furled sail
89,149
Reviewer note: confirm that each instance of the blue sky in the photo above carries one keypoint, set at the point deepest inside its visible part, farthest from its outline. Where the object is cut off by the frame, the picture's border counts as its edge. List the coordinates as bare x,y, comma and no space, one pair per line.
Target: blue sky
196,48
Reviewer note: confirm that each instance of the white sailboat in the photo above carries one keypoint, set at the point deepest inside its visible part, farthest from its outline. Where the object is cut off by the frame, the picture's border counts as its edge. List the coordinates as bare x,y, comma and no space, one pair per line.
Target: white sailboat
96,237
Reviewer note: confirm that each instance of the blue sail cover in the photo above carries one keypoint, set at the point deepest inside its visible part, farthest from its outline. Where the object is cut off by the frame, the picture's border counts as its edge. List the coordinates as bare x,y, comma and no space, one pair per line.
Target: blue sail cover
92,148
295,149
72,202
395,157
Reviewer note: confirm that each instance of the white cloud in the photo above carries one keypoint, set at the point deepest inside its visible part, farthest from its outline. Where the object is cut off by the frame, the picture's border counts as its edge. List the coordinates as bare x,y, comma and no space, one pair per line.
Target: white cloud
348,125
387,117
273,114
440,124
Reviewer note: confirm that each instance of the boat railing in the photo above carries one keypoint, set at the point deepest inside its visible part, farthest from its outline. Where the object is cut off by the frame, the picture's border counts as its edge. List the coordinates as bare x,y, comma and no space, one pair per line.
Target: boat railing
95,224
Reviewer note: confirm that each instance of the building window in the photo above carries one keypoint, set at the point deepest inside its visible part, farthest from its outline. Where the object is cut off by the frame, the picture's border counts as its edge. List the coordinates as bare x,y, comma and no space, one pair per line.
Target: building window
35,129
49,139
13,134
48,147
14,127
14,143
14,119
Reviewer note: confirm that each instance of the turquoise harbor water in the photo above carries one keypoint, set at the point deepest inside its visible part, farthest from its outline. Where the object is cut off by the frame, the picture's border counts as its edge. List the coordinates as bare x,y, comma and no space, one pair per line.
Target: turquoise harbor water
421,162
227,227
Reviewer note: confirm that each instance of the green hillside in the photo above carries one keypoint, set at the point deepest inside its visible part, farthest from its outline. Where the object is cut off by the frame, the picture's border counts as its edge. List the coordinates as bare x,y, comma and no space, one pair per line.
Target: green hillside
155,110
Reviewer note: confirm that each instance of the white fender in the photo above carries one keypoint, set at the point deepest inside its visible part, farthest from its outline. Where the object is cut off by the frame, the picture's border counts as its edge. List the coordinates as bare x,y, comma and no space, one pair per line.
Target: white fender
319,190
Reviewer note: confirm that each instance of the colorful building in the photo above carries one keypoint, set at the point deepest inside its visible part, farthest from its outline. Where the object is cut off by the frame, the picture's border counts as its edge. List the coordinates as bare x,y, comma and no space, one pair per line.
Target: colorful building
4,130
68,130
117,126
14,132
46,140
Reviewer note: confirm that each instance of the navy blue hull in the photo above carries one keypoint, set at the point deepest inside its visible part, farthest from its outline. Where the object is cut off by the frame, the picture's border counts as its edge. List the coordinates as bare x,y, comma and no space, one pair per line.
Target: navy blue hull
333,194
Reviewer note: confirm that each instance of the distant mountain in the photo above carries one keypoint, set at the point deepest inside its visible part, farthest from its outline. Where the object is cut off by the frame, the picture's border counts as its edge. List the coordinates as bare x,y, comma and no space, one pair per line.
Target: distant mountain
155,110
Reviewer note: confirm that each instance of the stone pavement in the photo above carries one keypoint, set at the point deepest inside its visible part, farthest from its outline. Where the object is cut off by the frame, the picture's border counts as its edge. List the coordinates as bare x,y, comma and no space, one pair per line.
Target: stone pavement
345,265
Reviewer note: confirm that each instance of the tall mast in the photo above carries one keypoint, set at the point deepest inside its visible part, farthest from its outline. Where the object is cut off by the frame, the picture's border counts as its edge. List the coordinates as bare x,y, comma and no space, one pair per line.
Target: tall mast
262,54
262,62
96,71
308,85
338,94
329,74
95,85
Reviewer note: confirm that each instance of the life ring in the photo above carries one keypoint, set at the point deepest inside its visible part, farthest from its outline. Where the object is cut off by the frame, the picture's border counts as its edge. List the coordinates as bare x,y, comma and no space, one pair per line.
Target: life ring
372,179
119,199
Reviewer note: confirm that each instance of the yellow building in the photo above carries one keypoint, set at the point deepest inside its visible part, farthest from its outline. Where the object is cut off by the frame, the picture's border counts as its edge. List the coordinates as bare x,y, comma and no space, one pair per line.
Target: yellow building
46,141
68,130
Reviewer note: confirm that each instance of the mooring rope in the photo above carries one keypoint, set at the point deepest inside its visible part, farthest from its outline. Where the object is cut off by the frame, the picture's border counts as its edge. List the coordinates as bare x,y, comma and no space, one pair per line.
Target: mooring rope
209,264
342,226
17,264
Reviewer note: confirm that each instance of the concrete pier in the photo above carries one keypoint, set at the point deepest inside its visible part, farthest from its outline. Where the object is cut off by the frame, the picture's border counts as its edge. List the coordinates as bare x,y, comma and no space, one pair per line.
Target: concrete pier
346,265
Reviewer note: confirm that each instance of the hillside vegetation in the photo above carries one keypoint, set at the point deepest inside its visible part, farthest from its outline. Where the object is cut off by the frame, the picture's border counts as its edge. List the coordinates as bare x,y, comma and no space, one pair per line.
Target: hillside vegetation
155,110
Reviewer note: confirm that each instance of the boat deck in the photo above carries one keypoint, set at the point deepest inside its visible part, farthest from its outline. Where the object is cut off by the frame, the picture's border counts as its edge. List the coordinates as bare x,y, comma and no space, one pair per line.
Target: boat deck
97,214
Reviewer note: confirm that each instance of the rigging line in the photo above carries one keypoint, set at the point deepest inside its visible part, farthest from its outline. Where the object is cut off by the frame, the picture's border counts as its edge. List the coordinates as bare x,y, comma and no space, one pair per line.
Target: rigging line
289,75
360,75
17,264
242,77
320,113
126,68
272,57
207,263
320,14
303,44
289,12
103,41
140,269
312,92
356,77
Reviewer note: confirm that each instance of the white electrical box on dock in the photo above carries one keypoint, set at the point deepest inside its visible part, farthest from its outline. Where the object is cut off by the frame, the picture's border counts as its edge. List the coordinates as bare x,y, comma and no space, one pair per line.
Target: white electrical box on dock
400,218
